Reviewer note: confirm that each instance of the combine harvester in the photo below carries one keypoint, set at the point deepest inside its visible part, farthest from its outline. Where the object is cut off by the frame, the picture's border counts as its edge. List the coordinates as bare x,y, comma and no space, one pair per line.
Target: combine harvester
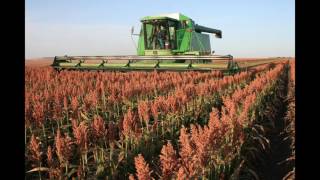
171,42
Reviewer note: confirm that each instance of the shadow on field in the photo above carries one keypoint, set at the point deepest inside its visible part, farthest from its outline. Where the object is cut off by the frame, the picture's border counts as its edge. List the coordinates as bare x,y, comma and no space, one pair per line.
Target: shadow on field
271,163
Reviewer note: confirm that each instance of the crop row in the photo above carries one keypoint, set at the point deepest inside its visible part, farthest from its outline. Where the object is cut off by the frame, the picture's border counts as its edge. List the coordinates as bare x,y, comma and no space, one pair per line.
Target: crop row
94,124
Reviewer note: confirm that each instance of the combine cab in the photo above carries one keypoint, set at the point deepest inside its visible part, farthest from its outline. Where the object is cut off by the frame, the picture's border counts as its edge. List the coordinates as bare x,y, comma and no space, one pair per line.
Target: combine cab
166,42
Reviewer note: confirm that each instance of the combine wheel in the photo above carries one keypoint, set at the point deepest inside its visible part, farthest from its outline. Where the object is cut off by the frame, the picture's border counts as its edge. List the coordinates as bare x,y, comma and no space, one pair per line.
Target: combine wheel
58,69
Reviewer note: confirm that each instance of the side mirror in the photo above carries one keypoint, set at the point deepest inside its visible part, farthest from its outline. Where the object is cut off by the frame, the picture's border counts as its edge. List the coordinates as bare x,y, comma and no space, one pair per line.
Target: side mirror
132,32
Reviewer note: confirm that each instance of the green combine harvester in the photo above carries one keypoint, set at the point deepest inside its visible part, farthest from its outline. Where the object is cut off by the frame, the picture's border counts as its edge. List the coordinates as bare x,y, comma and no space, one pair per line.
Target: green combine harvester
170,42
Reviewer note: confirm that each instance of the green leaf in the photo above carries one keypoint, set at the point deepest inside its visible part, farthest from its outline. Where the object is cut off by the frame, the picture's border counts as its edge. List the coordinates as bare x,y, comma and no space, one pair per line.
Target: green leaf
100,171
265,140
260,127
84,116
254,174
38,169
120,157
72,172
252,149
118,144
73,166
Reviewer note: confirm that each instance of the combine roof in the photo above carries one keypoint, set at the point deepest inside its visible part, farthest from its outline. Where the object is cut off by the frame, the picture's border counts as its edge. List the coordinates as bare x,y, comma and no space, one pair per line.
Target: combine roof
172,16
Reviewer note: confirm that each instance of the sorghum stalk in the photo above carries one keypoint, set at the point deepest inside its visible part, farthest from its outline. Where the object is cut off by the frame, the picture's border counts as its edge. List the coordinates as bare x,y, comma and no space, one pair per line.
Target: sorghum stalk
104,100
30,128
44,131
171,126
25,136
39,170
111,159
126,150
118,110
162,128
67,117
52,130
141,122
66,168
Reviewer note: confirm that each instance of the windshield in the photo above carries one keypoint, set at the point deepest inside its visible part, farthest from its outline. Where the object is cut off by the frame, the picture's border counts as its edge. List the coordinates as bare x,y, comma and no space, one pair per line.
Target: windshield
160,34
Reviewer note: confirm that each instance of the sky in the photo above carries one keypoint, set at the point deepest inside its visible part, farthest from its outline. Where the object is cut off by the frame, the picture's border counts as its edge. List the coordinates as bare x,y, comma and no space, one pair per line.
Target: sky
250,28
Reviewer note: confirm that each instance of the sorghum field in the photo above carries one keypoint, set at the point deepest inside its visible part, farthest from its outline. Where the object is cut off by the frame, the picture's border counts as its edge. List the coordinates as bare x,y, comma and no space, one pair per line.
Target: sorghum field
160,125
